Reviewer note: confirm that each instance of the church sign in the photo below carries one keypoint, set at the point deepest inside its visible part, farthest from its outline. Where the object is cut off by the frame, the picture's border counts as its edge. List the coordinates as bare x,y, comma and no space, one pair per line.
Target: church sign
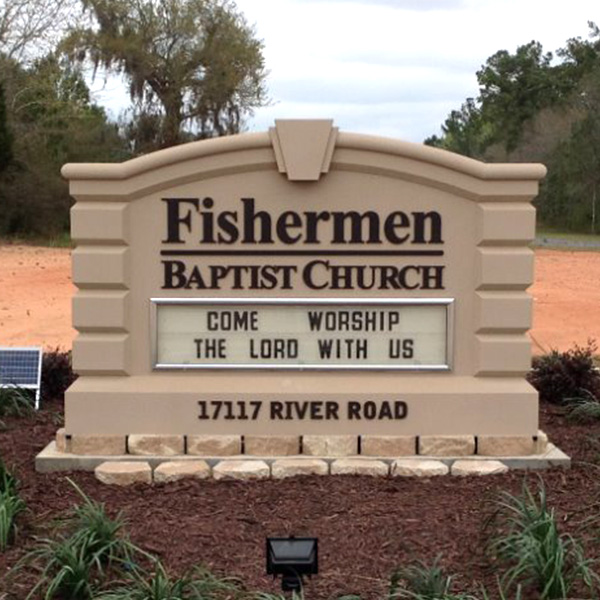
302,282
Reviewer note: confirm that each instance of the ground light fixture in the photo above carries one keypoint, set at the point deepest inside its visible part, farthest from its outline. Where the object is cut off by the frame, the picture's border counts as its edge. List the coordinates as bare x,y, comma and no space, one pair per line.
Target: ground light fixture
292,558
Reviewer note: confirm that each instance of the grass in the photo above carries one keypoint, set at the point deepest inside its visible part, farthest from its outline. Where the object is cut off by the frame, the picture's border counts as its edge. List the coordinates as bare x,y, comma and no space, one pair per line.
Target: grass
549,232
533,550
61,240
566,240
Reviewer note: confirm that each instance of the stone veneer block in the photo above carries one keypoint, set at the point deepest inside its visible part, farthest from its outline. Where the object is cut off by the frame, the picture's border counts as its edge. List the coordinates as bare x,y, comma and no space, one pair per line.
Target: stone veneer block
214,445
446,445
99,445
359,466
61,441
418,468
242,469
490,445
123,473
388,445
179,469
290,467
155,445
276,445
478,467
330,445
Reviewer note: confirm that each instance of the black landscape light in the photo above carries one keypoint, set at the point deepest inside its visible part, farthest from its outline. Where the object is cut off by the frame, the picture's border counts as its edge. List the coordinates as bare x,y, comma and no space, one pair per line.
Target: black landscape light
292,558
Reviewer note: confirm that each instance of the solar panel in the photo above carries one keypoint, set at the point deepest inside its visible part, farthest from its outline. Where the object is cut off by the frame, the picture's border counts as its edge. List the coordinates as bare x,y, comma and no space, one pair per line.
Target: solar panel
21,367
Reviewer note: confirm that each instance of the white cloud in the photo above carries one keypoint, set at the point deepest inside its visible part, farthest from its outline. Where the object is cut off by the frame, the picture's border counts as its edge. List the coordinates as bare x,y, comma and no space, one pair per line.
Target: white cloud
416,5
393,67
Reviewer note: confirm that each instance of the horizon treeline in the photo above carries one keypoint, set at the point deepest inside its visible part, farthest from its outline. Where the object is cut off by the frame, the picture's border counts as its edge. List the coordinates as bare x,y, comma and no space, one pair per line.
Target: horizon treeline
538,106
195,70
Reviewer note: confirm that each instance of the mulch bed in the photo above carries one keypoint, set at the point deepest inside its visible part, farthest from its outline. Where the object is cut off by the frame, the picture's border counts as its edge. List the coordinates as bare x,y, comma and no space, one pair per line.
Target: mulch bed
366,527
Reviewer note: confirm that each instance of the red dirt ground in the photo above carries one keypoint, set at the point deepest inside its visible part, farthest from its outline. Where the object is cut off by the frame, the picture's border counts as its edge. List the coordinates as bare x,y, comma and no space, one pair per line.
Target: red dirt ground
36,291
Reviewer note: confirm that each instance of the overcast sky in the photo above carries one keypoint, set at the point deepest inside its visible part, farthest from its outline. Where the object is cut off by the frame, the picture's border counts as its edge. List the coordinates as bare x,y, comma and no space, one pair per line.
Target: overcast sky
392,67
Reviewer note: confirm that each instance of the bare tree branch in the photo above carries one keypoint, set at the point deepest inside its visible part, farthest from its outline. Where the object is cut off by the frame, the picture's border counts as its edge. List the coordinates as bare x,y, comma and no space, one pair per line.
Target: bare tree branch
31,28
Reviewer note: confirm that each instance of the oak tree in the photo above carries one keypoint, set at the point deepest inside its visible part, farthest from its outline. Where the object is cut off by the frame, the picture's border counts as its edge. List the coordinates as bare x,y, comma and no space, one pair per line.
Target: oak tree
194,67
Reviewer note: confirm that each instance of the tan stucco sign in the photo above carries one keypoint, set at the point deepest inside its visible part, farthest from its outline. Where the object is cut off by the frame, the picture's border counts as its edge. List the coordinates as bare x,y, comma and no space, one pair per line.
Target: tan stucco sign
302,281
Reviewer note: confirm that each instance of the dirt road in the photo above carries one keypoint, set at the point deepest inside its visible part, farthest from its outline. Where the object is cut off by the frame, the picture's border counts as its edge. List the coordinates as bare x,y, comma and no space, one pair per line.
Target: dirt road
36,291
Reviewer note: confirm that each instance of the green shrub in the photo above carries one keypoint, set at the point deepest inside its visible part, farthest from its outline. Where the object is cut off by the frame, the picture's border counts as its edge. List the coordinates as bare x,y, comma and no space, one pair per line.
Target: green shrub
57,374
195,585
558,376
10,506
535,553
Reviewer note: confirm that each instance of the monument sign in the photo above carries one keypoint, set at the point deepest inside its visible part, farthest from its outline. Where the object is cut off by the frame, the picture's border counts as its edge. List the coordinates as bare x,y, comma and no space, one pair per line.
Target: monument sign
298,285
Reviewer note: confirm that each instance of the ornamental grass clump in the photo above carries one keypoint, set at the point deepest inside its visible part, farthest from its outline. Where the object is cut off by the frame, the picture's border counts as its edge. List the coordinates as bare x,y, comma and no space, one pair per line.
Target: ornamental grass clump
533,550
69,569
421,581
197,584
75,563
10,506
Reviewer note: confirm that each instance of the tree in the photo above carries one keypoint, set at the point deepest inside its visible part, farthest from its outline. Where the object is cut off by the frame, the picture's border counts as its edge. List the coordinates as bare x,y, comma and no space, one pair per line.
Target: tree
569,198
195,64
31,28
6,142
514,87
53,121
464,132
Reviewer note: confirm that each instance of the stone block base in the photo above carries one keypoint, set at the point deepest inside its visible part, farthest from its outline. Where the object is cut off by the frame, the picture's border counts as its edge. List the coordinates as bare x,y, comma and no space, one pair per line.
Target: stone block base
165,468
373,446
123,473
290,467
179,469
242,469
278,456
